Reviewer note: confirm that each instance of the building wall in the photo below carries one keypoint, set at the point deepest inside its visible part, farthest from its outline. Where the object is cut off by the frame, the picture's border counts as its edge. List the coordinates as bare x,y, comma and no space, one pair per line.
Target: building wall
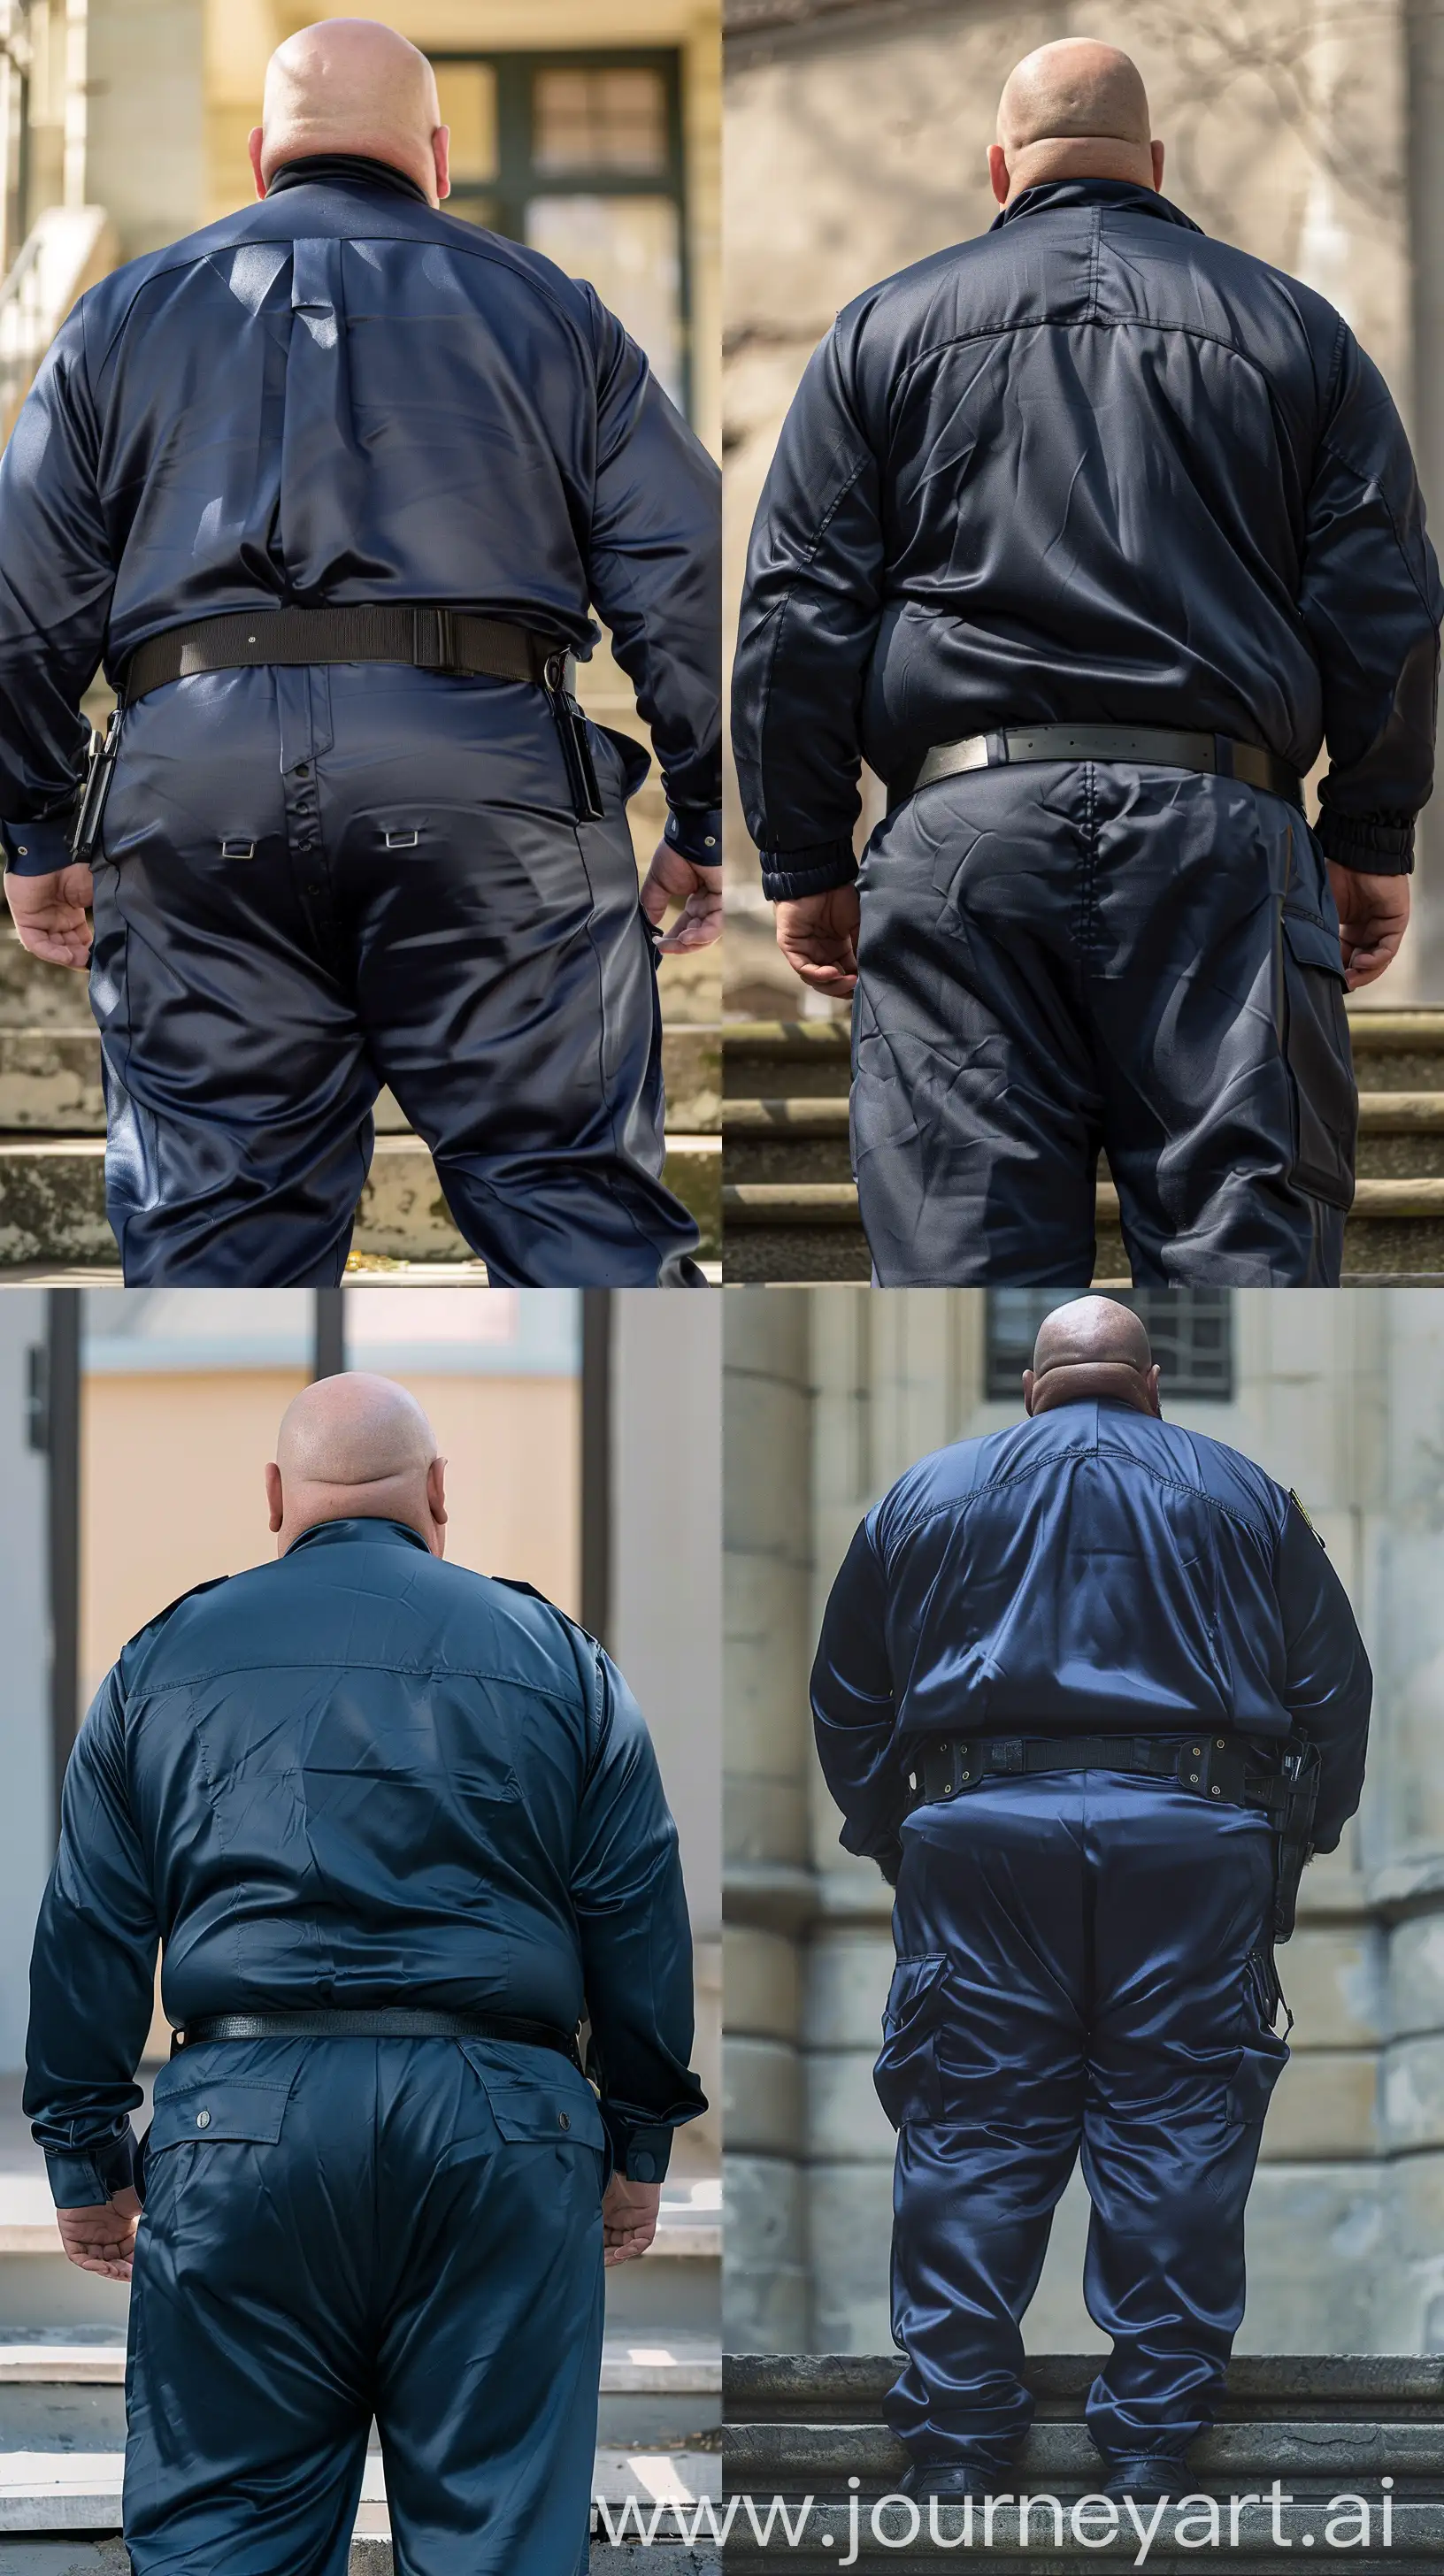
1342,1398
27,1804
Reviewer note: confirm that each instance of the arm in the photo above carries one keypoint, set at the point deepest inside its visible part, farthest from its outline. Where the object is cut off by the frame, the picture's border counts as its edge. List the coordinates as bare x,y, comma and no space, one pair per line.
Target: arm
636,1941
654,563
809,620
1328,1685
92,1974
852,1706
56,582
1371,603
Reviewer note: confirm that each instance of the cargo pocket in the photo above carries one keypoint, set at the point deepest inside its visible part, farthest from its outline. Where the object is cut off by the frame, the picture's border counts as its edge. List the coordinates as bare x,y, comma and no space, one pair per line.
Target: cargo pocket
1321,1071
1264,2056
906,2073
544,2109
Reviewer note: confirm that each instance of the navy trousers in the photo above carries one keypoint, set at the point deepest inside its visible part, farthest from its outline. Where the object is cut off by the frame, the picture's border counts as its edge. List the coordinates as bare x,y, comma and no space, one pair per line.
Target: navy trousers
342,2228
1084,1965
1063,959
318,881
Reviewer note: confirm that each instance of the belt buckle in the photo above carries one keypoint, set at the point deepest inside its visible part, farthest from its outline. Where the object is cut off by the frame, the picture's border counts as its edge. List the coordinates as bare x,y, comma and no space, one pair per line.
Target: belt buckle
433,639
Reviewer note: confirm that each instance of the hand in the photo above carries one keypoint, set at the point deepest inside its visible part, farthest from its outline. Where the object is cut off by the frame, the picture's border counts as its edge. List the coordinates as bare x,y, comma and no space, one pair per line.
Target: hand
817,935
1373,917
673,879
102,2239
49,913
629,2218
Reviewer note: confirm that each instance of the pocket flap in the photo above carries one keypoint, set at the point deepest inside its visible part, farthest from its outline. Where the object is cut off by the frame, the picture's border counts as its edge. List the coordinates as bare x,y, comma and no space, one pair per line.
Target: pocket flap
558,2110
1314,944
222,2109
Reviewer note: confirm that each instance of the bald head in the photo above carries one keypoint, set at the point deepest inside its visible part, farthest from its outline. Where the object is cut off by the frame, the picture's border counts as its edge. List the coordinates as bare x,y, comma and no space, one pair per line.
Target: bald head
1073,110
356,1448
349,85
1088,1349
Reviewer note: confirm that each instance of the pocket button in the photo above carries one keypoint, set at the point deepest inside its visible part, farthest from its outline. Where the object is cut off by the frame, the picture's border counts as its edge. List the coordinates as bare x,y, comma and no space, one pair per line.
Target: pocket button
203,2119
564,2120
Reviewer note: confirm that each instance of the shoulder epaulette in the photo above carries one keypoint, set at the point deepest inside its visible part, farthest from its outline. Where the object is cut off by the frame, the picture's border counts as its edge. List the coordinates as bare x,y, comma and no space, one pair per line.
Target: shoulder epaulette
1304,1517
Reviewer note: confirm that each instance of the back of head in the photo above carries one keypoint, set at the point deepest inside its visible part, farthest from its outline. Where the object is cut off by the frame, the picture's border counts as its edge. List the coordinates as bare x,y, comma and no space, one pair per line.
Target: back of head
355,1447
1075,109
1091,1349
349,85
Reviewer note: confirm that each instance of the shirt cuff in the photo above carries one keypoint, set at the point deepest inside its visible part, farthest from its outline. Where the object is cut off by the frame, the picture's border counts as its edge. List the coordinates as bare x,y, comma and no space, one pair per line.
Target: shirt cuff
85,2177
36,849
787,875
695,833
642,2155
1378,845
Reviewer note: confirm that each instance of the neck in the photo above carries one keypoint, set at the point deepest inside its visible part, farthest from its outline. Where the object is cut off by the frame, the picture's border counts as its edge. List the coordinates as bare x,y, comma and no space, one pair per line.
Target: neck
1077,157
386,1500
1090,1382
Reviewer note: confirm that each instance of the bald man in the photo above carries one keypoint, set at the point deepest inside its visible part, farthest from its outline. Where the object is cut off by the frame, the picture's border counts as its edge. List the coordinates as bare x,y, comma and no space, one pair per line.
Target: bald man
1086,537
1089,1692
332,490
397,1828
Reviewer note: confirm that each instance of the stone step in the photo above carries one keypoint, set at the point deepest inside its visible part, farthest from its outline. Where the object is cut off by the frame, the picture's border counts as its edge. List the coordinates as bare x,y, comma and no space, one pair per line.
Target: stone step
44,2494
50,1081
849,2388
794,2457
52,1201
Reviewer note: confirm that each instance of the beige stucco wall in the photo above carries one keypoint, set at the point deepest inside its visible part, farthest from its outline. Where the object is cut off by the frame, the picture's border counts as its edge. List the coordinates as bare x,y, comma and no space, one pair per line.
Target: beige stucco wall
173,1488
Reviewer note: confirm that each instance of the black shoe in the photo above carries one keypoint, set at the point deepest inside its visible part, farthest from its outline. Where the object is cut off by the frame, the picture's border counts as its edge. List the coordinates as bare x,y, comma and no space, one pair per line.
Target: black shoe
1149,2480
949,2480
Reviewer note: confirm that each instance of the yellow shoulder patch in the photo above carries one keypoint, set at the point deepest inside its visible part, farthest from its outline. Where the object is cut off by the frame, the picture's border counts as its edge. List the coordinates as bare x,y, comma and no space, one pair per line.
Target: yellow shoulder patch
1304,1517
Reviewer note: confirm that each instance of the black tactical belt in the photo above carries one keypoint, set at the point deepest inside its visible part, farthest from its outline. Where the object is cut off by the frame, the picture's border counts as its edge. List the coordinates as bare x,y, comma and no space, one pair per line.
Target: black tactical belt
387,2021
1152,746
430,639
1215,1767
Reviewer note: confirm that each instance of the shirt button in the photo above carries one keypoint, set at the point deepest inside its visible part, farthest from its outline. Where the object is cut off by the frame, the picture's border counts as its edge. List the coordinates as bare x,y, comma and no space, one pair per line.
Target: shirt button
563,2120
203,2119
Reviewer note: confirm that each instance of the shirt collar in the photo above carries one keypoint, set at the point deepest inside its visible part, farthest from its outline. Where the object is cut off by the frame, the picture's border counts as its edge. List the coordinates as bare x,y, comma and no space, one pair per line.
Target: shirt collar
343,169
1127,194
381,1532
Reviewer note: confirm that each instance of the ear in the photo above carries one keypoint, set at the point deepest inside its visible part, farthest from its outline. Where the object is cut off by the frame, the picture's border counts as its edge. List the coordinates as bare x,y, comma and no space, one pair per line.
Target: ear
998,172
1151,1384
436,1503
253,146
1157,151
441,154
1029,1382
274,1498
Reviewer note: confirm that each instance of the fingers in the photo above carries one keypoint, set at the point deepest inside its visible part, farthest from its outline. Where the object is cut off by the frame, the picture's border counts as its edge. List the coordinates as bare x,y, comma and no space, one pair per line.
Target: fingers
823,978
655,897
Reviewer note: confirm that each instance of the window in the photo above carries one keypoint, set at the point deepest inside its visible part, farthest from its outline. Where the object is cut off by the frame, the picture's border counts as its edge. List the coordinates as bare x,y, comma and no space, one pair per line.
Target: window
580,156
1191,1330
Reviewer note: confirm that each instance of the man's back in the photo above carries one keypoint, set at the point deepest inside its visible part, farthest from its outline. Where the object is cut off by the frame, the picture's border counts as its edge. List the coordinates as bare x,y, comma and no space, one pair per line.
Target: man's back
1092,1570
1093,467
342,394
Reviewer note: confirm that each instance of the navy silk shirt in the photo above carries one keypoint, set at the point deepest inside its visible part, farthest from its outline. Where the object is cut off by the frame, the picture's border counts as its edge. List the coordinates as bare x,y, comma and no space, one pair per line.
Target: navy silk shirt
1091,468
341,394
1092,1571
359,1776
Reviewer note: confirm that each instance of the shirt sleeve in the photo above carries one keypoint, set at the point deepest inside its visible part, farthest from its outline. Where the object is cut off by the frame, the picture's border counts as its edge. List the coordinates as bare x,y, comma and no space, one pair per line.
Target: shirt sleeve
92,1973
811,606
1328,1684
1371,603
852,1707
636,1940
655,567
56,583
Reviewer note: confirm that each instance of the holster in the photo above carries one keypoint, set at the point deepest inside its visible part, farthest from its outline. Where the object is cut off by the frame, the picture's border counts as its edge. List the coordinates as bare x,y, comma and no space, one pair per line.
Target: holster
1299,1770
94,789
576,749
